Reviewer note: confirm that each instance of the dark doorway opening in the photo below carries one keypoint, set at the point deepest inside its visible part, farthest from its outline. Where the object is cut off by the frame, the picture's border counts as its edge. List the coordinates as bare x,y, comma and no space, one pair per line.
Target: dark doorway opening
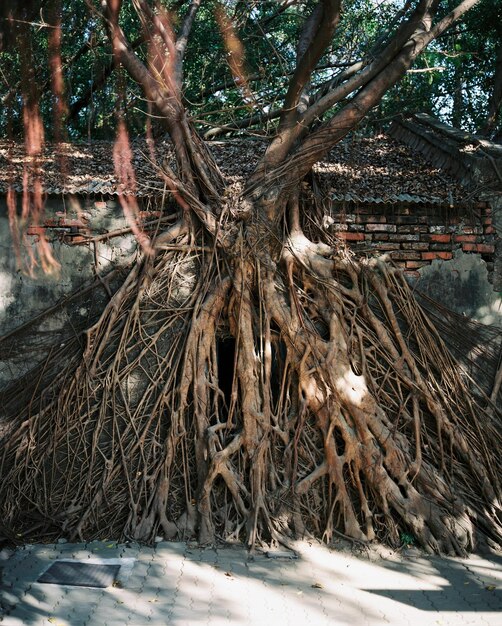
225,352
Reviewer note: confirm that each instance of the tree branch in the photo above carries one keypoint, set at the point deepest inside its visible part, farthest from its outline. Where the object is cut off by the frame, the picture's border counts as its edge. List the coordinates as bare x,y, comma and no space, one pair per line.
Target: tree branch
315,38
318,143
183,35
99,82
284,7
403,35
247,122
285,140
166,103
229,83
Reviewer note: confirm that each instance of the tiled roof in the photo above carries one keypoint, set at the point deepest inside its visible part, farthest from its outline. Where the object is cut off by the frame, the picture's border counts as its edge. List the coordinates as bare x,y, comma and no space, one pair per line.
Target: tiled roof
473,160
372,170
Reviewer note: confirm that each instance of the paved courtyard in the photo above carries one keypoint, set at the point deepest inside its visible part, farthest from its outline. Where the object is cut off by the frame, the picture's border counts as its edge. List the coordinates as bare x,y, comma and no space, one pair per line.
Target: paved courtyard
178,584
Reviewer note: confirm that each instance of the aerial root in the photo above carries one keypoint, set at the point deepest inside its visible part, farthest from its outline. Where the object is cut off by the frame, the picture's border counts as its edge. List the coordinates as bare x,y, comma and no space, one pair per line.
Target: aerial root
337,411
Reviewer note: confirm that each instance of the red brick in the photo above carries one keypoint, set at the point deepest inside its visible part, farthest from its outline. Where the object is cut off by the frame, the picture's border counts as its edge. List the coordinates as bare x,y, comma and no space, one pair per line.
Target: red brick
148,215
430,256
414,265
351,236
478,247
489,230
381,228
35,230
488,221
406,255
412,273
75,239
440,238
51,222
484,248
466,238
377,219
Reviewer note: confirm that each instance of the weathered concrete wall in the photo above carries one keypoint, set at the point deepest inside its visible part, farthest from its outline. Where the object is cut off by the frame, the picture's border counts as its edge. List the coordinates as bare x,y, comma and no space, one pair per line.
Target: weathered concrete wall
452,273
24,296
462,285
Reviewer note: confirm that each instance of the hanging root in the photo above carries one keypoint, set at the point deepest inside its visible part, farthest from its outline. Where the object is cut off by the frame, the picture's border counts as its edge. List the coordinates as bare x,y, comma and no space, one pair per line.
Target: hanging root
337,410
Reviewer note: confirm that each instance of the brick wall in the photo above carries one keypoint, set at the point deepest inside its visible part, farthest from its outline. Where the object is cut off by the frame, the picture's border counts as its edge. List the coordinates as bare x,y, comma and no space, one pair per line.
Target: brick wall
413,236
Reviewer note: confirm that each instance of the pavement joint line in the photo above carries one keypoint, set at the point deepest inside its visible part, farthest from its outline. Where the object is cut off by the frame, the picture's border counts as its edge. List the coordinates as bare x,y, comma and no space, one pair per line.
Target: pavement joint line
273,582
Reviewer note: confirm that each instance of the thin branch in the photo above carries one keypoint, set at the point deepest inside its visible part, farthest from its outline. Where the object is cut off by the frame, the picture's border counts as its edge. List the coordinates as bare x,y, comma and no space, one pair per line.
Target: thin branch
229,83
285,140
247,122
166,103
424,70
284,7
403,36
338,79
99,82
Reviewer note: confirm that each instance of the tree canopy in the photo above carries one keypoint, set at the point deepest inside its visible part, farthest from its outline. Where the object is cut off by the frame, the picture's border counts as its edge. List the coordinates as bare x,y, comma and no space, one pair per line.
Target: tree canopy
455,78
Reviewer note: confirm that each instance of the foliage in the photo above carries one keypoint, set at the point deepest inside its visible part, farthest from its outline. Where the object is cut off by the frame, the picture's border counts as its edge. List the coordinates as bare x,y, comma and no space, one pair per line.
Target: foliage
457,91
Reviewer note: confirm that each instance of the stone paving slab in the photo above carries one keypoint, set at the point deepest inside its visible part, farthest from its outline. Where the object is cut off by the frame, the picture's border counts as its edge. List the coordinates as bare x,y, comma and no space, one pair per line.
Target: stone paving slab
181,584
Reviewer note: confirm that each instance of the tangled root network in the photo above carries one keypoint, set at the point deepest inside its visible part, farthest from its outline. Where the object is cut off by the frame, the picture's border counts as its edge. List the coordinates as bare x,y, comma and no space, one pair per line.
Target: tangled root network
226,398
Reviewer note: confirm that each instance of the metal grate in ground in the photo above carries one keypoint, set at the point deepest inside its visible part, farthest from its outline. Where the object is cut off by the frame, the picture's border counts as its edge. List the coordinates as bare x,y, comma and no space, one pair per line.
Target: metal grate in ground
77,574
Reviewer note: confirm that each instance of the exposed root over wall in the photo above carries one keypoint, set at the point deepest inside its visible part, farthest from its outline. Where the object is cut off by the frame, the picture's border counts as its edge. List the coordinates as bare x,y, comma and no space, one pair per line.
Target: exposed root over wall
336,409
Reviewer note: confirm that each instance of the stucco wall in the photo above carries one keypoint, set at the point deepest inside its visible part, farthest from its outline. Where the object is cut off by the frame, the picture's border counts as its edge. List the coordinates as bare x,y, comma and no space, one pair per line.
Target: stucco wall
462,284
23,296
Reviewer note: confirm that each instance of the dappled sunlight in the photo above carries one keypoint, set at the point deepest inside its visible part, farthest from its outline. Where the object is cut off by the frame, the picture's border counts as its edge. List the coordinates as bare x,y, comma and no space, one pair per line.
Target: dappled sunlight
350,422
352,386
183,584
299,243
6,293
